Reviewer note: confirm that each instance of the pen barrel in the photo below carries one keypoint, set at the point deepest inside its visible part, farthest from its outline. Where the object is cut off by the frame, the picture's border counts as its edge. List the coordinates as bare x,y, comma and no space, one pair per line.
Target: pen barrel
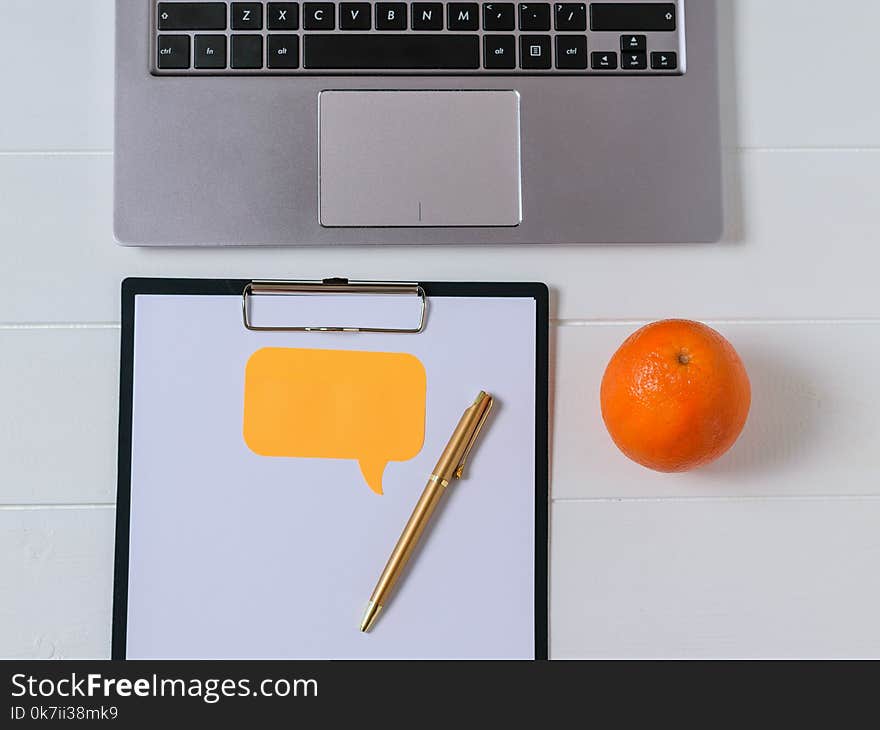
449,467
409,538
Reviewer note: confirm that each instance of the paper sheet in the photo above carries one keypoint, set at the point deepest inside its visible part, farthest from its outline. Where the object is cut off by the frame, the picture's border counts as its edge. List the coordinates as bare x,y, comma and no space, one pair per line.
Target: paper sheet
238,555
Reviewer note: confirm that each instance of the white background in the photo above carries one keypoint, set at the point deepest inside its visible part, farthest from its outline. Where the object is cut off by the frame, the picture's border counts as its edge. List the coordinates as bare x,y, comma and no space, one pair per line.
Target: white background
774,551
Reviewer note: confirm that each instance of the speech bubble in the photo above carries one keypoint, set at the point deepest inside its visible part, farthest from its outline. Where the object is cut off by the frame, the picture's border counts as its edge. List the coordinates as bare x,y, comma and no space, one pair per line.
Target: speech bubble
336,404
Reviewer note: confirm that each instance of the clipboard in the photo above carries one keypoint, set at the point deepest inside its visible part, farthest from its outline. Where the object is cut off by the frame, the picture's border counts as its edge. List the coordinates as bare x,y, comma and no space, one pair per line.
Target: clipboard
164,520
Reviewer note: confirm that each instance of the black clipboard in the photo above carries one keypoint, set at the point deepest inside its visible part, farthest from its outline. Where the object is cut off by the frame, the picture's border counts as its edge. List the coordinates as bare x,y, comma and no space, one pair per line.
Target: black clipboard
132,287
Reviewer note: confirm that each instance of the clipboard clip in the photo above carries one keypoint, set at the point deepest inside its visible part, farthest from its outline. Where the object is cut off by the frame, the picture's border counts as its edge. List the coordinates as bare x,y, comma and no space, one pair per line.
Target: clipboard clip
336,286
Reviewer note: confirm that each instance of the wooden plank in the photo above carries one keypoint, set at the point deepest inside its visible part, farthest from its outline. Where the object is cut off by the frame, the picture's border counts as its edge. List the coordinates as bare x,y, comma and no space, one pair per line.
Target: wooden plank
813,428
58,414
802,245
57,58
716,578
791,100
56,568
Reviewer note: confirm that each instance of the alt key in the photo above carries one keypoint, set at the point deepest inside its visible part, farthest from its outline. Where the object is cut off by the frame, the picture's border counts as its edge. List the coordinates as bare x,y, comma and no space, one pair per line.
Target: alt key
499,51
283,51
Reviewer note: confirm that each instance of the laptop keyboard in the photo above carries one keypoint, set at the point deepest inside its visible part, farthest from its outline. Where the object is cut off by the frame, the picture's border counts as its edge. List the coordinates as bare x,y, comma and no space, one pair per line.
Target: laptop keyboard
377,38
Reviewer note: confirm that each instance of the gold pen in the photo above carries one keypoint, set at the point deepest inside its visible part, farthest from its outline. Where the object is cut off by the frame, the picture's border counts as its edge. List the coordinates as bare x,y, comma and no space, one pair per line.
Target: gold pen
449,466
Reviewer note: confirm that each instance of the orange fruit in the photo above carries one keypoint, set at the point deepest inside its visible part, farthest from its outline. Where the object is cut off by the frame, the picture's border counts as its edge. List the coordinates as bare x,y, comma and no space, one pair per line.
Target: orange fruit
675,396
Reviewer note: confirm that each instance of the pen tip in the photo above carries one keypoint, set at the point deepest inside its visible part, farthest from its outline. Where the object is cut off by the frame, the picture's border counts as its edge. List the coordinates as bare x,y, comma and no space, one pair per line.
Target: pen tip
370,615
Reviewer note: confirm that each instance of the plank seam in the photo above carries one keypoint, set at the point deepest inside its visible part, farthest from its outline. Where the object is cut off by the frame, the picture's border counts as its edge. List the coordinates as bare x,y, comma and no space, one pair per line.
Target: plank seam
711,320
59,326
34,507
723,498
57,153
555,322
554,500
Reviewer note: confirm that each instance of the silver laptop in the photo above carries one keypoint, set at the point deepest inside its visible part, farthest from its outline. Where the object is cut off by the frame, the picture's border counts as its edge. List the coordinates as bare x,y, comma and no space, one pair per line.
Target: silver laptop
320,123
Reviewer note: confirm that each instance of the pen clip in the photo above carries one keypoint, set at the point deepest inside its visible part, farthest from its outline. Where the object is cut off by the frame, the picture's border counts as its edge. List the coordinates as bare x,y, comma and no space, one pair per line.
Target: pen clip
476,432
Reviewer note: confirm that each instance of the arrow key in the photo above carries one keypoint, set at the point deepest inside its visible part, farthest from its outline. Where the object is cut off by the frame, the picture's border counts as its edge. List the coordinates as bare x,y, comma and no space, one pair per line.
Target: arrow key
633,61
664,61
604,60
633,43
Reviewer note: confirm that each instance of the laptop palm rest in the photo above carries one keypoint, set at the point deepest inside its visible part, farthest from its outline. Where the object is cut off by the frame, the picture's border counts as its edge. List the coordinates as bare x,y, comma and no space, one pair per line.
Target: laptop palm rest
419,158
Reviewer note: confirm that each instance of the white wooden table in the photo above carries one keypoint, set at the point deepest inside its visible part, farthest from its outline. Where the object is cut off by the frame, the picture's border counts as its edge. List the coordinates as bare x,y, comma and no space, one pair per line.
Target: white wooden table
773,551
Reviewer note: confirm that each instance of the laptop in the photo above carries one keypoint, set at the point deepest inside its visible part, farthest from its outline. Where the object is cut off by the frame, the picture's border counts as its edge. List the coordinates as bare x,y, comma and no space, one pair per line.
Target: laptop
340,123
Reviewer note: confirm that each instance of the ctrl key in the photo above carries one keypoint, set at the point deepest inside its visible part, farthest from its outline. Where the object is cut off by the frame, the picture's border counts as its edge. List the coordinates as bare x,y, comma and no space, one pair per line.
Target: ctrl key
173,52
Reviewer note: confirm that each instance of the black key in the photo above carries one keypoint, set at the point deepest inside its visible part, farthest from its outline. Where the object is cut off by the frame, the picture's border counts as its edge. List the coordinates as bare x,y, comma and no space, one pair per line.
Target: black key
634,61
571,52
534,51
247,16
282,16
498,16
390,16
247,51
633,43
664,61
173,51
283,51
463,16
534,16
354,16
319,16
378,51
625,17
210,51
604,60
570,16
499,51
192,16
427,16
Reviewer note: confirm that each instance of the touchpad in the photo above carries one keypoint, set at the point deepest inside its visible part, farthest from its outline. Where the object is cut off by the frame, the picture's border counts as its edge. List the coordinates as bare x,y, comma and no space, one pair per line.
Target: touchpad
419,158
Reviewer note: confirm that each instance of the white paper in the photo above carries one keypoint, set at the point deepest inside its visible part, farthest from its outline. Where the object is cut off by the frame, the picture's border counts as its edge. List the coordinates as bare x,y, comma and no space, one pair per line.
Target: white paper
234,555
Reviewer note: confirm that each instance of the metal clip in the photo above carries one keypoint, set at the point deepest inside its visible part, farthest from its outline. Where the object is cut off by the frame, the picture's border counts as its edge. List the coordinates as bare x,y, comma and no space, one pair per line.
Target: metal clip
473,439
332,286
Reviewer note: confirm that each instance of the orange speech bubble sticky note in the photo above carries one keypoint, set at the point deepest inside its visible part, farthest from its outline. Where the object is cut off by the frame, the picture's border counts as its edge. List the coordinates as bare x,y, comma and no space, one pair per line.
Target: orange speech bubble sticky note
336,404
